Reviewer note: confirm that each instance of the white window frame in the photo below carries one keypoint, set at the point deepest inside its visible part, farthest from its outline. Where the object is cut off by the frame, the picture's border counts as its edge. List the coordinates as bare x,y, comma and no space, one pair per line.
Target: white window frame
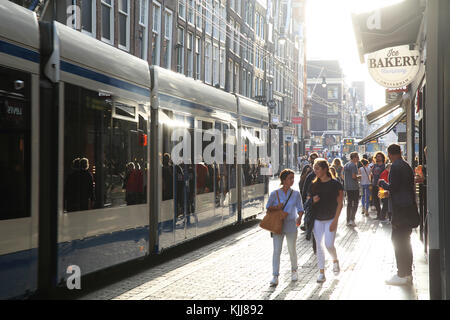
180,15
168,37
180,50
127,29
190,6
158,42
198,57
199,14
237,39
111,21
208,17
94,20
222,67
215,64
208,60
190,55
144,24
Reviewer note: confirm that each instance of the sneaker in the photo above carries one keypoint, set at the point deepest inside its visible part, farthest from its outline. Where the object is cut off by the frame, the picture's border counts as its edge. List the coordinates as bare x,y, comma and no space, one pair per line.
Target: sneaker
395,280
294,276
336,268
349,224
321,278
385,221
352,223
274,281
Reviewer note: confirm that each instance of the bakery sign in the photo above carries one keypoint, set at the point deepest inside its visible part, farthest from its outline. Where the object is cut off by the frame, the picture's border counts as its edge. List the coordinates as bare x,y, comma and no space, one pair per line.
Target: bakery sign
394,67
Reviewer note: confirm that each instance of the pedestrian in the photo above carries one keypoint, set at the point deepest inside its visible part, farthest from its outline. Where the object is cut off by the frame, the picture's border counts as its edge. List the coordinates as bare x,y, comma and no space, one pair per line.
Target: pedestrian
378,167
386,210
351,187
292,202
337,165
364,172
305,187
404,214
327,196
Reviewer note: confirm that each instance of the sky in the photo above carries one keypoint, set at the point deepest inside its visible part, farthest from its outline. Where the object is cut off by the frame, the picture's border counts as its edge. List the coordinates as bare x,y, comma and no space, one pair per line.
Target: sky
330,36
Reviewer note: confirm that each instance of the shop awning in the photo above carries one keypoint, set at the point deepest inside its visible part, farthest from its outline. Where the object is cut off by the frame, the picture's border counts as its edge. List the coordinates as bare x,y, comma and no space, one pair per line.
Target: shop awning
383,111
390,26
384,129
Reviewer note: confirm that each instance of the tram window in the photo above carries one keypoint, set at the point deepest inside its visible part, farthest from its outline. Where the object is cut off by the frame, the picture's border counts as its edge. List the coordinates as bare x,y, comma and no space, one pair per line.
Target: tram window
15,127
204,172
105,158
167,169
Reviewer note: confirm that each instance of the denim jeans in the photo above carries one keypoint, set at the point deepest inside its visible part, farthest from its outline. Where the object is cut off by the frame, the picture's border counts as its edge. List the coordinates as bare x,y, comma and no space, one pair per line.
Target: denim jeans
365,196
291,238
352,204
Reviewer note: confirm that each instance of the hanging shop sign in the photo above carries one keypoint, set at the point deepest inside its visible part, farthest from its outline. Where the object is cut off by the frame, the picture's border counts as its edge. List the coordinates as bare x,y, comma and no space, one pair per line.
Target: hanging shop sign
394,67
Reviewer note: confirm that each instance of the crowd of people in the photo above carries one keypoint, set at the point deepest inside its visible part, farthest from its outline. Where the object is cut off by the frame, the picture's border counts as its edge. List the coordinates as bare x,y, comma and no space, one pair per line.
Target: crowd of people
384,183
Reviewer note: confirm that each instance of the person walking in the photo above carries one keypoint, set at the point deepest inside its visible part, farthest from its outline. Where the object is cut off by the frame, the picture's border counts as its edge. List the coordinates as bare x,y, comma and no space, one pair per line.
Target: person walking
292,202
337,165
327,196
364,172
378,167
351,188
404,214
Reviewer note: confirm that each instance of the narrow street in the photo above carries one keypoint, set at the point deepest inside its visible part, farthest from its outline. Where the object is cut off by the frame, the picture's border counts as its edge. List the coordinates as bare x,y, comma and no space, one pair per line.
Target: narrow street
238,267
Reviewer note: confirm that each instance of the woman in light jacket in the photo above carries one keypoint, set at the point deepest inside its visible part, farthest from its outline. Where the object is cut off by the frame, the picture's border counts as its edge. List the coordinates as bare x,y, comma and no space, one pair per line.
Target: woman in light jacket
294,207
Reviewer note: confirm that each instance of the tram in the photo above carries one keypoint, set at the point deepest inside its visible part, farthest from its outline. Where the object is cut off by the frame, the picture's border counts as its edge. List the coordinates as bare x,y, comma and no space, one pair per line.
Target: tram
88,133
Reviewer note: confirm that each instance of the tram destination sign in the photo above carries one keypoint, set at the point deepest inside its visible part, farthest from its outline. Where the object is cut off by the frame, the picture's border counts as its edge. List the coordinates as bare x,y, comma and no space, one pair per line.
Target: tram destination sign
394,67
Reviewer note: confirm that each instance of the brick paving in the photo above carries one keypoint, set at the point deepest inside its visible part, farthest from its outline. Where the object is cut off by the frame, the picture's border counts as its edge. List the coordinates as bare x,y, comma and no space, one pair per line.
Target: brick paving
239,267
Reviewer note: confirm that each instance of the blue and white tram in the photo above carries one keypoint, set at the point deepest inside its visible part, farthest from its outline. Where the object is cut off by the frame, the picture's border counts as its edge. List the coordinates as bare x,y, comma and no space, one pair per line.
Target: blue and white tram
19,106
89,179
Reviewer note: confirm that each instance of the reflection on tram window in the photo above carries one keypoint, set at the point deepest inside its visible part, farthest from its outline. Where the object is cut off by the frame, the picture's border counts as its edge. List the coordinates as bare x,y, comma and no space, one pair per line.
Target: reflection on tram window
204,172
115,167
254,162
15,144
167,169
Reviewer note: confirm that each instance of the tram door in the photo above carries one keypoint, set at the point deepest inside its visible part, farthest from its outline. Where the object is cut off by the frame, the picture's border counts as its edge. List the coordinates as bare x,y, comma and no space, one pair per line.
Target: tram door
229,179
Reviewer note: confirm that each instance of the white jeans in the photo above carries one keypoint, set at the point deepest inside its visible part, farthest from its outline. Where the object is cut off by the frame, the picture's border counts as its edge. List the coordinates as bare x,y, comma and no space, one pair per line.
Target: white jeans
321,229
291,239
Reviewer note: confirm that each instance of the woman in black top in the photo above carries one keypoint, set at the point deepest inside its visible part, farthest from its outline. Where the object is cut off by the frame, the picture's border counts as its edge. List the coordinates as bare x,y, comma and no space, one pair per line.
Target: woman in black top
327,194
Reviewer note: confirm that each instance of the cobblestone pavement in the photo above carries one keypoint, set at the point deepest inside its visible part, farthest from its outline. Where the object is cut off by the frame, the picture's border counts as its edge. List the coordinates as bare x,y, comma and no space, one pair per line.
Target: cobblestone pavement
239,267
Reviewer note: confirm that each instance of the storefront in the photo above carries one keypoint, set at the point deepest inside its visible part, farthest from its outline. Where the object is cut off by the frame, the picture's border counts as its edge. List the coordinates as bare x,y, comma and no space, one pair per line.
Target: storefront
423,26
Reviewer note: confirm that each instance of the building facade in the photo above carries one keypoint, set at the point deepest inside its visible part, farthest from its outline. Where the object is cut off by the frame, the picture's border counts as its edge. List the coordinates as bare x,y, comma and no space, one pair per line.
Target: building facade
254,48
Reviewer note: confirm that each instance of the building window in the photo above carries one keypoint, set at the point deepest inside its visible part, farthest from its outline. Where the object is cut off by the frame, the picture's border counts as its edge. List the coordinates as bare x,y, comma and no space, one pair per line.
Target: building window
182,9
244,82
208,51
332,124
215,66
156,36
236,78
232,35
332,92
143,22
190,55
208,17
124,25
190,11
230,76
237,28
180,50
198,57
222,67
332,108
168,38
199,15
108,21
237,6
216,21
222,24
88,17
249,85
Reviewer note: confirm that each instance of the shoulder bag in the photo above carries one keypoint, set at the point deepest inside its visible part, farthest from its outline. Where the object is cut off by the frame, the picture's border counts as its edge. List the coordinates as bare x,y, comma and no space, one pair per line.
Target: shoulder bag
273,220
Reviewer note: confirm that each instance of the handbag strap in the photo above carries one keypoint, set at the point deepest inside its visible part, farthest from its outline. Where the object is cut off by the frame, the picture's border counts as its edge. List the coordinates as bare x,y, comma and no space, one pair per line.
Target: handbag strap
287,199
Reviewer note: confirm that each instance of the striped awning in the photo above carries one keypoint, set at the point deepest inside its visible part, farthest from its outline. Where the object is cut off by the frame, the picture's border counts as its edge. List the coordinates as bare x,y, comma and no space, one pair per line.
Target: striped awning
384,129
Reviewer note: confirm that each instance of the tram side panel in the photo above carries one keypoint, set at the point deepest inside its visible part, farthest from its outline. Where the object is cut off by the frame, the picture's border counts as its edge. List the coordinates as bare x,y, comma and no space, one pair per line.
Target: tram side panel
103,207
19,107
